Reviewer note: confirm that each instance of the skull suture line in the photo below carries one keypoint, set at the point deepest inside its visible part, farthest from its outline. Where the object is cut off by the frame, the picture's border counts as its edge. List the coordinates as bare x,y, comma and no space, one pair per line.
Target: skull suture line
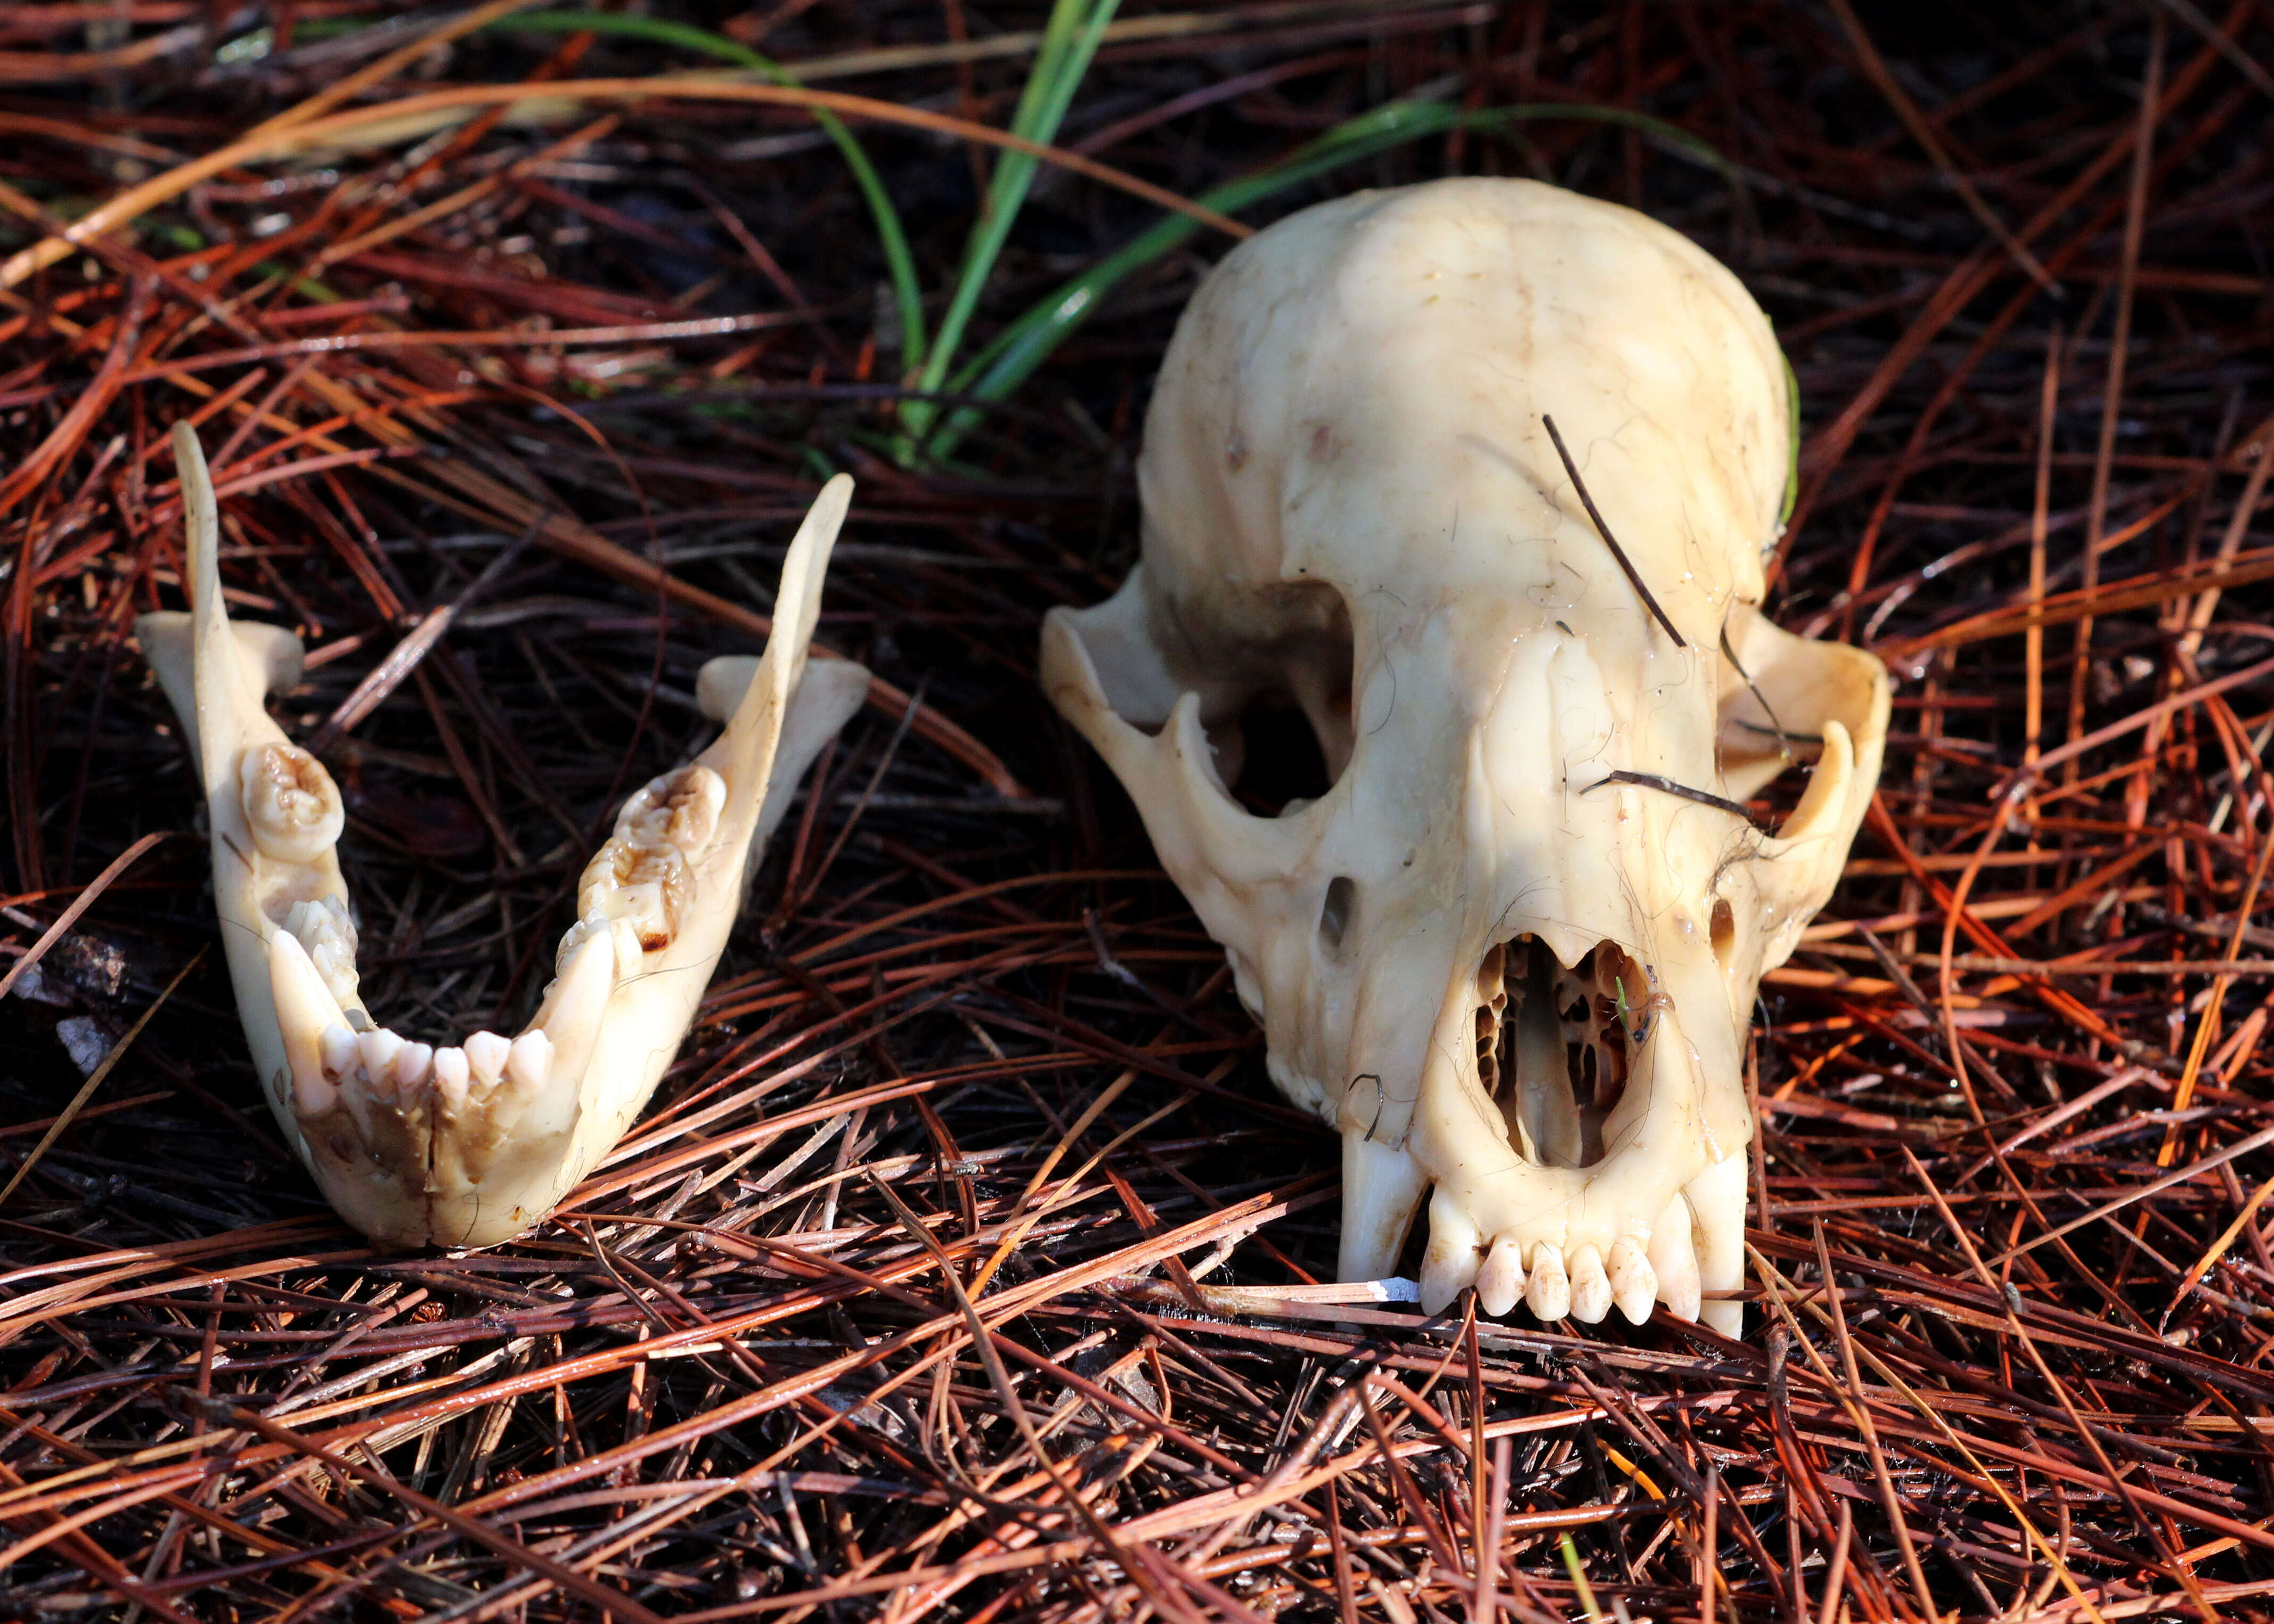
1504,953
469,1146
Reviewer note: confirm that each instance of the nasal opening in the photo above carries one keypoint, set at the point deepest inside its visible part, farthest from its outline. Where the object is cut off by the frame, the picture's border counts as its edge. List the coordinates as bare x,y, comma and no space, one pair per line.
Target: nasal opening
1556,1044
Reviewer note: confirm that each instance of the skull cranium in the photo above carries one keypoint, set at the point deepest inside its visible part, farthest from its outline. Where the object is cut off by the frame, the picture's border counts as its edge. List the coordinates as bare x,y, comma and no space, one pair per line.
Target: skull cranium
1511,953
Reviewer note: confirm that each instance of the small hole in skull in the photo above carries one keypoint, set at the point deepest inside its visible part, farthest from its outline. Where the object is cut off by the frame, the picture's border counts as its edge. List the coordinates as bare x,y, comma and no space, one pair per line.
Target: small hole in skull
1335,916
1555,1044
1282,762
1725,933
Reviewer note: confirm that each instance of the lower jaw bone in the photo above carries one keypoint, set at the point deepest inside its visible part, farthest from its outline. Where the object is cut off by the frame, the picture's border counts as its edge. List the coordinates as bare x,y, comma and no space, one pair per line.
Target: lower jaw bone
471,1145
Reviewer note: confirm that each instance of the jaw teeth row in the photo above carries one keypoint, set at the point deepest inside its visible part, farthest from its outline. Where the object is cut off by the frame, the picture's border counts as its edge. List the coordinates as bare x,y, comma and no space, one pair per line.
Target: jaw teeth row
1699,1238
1583,1285
323,927
641,878
383,1061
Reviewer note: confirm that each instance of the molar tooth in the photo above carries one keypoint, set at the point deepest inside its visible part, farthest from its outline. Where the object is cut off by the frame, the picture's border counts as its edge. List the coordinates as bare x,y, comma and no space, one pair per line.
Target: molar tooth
1450,1261
1548,1291
486,1057
1501,1281
644,882
1634,1283
682,806
1674,1256
451,1071
379,1046
412,1063
290,803
1590,1288
324,927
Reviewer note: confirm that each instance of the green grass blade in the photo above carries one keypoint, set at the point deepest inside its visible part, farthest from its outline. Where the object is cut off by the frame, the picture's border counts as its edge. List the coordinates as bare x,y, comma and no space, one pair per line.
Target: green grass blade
1021,349
1068,43
900,264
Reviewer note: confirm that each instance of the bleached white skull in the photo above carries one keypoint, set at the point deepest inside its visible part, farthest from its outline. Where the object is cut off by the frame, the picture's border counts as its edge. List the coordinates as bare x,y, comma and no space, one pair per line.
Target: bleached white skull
472,1144
1512,952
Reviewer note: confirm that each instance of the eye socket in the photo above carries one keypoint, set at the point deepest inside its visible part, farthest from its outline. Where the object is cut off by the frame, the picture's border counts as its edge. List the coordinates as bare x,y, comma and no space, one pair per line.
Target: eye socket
1335,916
1724,933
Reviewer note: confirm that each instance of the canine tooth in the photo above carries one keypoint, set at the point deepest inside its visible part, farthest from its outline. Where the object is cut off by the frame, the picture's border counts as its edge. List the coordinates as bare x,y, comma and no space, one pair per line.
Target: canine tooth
412,1063
529,1060
1590,1288
1547,1291
1673,1255
380,1047
307,1018
451,1073
1634,1283
1381,1188
486,1057
290,803
578,1002
1501,1281
1450,1261
1717,1199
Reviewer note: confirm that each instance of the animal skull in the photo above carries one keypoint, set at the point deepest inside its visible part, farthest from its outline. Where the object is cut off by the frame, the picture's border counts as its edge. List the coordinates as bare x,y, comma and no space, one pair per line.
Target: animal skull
470,1145
1505,954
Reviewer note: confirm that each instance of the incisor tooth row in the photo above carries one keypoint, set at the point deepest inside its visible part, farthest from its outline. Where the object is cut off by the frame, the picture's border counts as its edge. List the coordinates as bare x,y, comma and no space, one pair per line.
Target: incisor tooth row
383,1059
1584,1286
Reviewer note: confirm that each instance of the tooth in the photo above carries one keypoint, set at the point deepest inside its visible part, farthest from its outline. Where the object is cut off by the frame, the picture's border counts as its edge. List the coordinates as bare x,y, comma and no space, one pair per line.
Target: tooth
305,1012
450,1074
1674,1258
325,930
412,1063
337,1048
1717,1199
682,807
578,1002
1450,1261
486,1057
1501,1281
543,1102
1382,1187
290,803
1547,1292
1590,1288
380,1047
1634,1283
630,952
647,882
529,1061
